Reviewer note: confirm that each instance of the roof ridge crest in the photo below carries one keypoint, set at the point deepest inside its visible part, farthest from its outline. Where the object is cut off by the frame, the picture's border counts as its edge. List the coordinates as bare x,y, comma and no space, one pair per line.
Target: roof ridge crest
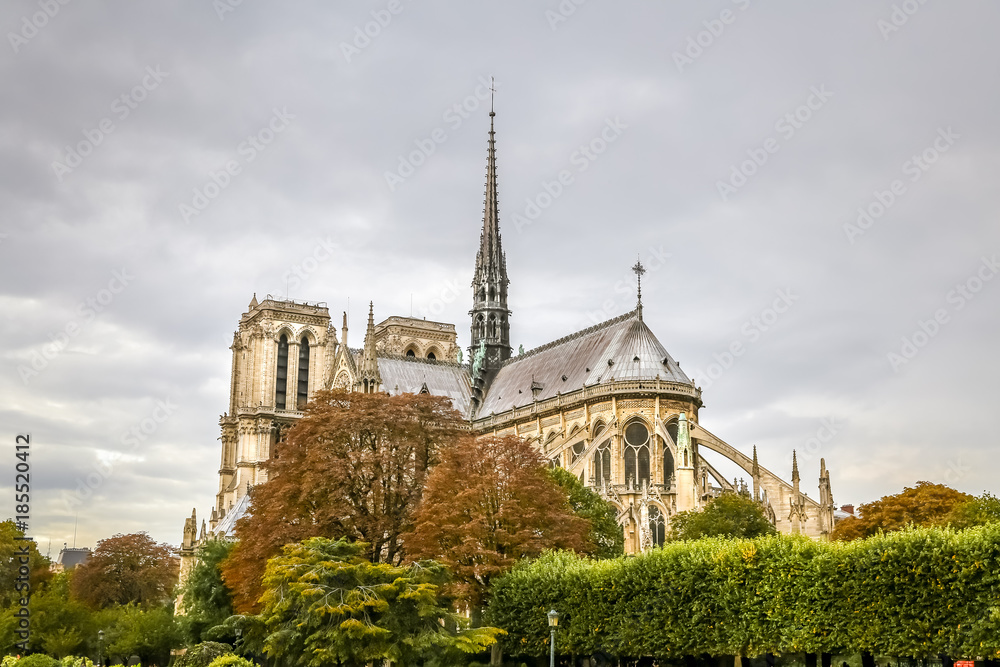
572,336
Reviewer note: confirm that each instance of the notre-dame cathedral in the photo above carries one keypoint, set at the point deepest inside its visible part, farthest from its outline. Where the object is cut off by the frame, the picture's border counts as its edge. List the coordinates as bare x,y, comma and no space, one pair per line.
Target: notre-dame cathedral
607,403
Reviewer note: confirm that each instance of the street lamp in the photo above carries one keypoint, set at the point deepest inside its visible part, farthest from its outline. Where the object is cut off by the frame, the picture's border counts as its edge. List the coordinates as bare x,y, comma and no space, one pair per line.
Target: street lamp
100,647
553,623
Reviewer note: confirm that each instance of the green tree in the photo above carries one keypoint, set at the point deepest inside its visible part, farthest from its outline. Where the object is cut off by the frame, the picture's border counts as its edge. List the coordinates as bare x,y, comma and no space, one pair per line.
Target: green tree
605,533
12,548
326,604
206,600
149,633
925,504
203,654
60,624
976,512
729,515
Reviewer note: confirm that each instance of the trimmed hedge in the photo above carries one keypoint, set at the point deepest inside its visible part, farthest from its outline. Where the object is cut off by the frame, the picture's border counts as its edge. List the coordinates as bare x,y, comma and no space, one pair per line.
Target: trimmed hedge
918,592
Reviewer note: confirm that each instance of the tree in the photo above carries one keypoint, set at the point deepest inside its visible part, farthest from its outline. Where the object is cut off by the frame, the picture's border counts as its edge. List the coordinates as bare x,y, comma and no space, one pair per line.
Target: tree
60,624
354,466
325,604
132,630
925,504
730,514
12,548
488,504
605,533
975,512
206,599
126,569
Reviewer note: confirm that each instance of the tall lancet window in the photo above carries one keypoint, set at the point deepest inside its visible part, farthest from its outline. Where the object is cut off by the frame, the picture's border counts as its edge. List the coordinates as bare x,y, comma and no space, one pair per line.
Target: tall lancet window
602,464
636,454
657,526
281,383
303,393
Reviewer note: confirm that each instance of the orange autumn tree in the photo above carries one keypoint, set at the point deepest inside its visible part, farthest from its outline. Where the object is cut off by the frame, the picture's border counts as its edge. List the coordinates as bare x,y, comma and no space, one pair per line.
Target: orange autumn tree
126,569
925,504
353,466
488,504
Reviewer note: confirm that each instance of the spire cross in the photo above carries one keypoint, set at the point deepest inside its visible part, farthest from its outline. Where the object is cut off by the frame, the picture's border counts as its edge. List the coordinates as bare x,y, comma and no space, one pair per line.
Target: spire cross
493,90
639,269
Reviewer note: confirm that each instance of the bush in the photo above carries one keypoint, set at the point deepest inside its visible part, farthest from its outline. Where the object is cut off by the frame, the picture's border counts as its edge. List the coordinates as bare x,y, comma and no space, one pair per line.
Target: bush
76,661
203,654
38,660
917,592
231,661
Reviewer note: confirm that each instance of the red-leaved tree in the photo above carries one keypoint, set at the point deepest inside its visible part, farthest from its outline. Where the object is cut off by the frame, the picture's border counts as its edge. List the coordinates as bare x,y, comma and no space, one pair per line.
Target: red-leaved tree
354,466
488,504
124,569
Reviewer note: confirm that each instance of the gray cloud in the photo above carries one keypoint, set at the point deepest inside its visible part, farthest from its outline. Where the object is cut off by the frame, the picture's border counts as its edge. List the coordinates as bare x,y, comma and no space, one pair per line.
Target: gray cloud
167,333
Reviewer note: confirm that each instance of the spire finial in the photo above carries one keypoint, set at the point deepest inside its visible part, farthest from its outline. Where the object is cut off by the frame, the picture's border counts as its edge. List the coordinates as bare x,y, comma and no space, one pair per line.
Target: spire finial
493,90
638,269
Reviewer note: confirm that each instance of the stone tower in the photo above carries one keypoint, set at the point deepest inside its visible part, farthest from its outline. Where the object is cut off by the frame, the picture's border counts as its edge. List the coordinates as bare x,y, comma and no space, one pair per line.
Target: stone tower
490,315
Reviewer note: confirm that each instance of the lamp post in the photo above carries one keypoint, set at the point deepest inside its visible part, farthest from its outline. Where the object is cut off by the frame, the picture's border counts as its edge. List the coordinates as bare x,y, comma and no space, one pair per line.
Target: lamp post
100,647
553,624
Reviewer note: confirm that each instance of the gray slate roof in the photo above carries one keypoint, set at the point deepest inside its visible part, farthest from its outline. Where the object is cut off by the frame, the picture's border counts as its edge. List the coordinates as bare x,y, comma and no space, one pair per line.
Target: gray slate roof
583,359
227,526
409,375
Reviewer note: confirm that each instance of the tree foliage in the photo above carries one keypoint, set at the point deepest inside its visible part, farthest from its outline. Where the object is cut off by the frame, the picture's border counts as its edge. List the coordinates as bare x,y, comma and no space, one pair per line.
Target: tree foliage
207,601
729,515
11,546
60,624
978,511
354,466
605,533
488,504
203,654
126,569
916,592
326,604
130,630
925,504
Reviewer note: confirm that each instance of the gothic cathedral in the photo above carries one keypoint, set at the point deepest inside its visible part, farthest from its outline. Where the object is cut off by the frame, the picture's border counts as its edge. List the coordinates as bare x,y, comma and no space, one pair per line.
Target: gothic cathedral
608,403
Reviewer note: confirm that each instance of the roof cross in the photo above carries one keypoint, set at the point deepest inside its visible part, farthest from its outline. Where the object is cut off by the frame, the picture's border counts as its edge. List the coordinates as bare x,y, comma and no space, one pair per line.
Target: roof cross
638,269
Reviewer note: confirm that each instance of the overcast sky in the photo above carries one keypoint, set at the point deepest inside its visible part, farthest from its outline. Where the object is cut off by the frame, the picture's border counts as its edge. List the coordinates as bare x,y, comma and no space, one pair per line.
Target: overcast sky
162,162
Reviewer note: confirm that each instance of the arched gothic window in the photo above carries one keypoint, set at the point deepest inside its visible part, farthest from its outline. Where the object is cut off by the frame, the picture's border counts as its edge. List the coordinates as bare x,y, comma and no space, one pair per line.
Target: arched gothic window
281,382
636,453
303,392
410,353
668,465
657,525
602,464
430,355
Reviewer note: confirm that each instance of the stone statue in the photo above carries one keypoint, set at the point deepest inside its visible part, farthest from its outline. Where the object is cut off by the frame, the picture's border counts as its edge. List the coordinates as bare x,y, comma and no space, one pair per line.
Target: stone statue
477,361
460,356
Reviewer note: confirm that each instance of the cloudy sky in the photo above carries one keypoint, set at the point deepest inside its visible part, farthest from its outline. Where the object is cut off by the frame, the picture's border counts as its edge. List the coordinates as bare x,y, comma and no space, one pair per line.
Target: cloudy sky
811,186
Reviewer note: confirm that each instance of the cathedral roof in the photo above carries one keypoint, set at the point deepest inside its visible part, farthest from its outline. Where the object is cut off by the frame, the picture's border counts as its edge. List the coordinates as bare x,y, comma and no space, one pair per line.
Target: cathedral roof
623,348
411,375
227,526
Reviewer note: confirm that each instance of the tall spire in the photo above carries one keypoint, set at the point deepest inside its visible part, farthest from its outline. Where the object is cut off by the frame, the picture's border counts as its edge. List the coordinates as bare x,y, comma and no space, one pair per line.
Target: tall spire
490,315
